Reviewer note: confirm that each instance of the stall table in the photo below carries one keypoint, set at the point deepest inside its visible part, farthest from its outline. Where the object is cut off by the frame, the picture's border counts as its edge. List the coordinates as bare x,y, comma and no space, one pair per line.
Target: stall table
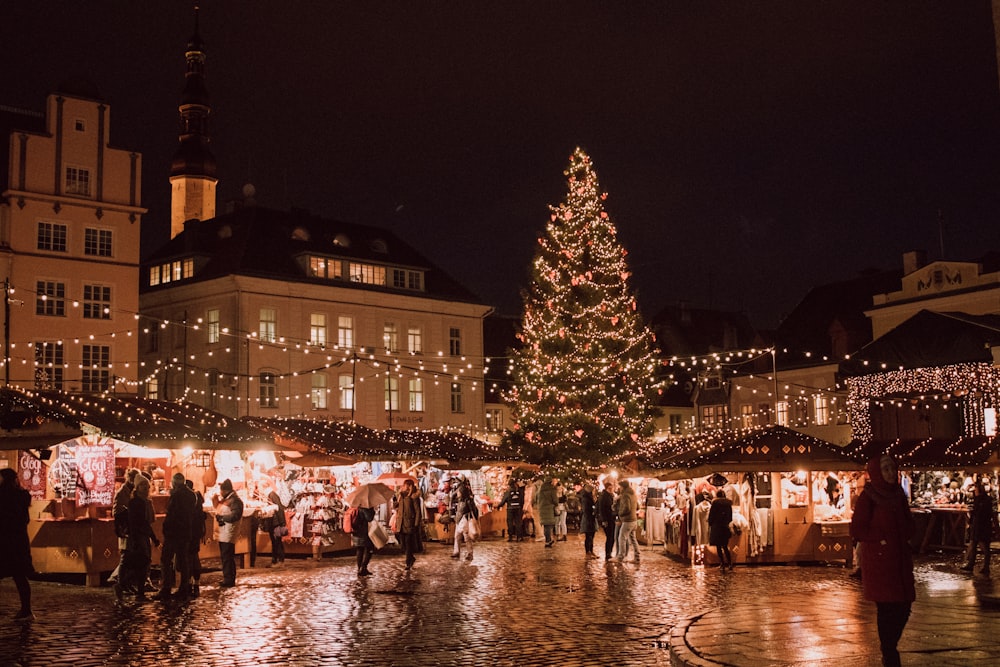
946,529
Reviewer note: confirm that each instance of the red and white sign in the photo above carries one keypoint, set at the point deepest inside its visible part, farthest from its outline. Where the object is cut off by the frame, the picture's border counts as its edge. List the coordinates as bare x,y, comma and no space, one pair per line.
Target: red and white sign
32,474
95,473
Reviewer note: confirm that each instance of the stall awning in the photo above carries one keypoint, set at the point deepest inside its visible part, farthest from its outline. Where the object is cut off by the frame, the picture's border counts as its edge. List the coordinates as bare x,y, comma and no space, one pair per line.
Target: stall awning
932,453
773,448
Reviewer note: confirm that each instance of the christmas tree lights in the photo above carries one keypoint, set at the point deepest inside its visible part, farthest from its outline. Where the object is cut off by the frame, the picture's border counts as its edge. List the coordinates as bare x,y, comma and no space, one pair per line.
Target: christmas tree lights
585,374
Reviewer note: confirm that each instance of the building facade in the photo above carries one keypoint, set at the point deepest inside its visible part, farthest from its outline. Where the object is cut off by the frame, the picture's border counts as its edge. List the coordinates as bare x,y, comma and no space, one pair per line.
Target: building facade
69,238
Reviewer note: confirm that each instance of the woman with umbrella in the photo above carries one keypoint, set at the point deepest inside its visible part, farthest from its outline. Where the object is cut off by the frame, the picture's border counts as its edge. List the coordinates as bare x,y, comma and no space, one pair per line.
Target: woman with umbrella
364,499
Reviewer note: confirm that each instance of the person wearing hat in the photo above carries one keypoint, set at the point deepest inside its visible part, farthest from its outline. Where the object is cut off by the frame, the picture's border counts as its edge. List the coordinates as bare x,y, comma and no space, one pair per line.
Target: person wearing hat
882,523
228,512
628,506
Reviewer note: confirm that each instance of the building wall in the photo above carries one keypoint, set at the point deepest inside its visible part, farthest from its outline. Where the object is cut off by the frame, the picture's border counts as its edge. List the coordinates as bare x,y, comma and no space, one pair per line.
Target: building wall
48,213
241,356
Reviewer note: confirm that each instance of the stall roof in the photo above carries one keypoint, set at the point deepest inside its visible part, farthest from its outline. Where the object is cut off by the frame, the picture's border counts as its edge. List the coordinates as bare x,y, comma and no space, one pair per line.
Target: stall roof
772,448
928,453
138,420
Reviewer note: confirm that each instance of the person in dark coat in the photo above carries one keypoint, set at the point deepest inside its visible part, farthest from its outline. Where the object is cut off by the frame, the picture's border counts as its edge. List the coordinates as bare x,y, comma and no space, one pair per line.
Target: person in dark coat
720,515
588,518
363,545
197,537
606,516
410,519
138,554
177,529
276,534
882,523
513,498
15,554
982,519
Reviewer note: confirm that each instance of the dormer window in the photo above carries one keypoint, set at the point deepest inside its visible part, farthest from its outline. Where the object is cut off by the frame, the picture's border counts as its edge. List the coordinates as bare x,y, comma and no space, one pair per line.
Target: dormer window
380,246
179,269
342,241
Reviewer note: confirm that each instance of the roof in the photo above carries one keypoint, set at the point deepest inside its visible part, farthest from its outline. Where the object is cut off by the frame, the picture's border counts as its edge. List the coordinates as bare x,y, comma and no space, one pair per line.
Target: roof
683,331
930,453
772,449
138,420
264,243
841,304
928,339
12,120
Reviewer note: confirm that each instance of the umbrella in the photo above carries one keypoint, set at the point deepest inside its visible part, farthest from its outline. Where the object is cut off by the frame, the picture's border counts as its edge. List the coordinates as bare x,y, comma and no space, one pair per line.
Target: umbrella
395,478
369,495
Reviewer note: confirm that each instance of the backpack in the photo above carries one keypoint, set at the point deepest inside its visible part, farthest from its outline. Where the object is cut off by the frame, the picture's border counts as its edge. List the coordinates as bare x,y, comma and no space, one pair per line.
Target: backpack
349,517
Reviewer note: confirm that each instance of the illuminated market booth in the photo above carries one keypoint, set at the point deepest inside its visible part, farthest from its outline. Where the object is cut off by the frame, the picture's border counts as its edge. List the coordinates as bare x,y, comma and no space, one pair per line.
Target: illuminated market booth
792,496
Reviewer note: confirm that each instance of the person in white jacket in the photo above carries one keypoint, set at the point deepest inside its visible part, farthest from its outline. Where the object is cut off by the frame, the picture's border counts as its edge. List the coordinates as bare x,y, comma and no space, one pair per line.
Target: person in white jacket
228,512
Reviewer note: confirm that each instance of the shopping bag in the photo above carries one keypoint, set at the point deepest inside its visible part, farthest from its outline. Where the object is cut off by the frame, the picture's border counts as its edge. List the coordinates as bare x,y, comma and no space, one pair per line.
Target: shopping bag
474,530
377,534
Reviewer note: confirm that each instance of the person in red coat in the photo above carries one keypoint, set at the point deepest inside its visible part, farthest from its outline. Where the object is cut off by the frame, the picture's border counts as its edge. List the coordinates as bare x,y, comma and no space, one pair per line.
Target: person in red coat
883,524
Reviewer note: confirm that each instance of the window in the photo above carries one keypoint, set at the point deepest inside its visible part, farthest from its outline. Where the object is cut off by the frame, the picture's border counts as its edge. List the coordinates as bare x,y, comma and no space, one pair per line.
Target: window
324,267
414,280
390,337
77,181
763,414
213,326
96,302
714,415
368,274
318,392
456,398
346,383
79,125
50,298
317,329
154,276
494,420
48,365
399,278
97,242
455,342
268,390
821,407
403,279
171,271
51,236
268,330
782,413
746,415
416,395
414,340
153,388
96,367
800,412
345,331
391,393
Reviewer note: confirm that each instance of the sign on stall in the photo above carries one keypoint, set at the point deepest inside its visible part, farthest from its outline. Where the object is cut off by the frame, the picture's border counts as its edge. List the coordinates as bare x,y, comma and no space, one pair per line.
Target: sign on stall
33,473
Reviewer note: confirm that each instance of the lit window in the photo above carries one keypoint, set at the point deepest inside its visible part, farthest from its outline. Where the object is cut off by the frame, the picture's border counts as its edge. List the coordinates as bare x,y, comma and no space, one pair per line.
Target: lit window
153,388
52,237
96,302
391,393
416,395
676,423
782,413
48,365
455,342
77,181
318,392
368,274
188,268
456,398
346,384
325,267
746,415
50,298
414,340
317,329
268,390
97,242
345,331
268,330
494,420
96,367
213,325
821,406
390,337
154,276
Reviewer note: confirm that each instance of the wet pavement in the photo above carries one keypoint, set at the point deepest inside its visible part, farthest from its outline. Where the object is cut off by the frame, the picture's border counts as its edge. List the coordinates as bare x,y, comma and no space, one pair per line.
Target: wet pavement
514,604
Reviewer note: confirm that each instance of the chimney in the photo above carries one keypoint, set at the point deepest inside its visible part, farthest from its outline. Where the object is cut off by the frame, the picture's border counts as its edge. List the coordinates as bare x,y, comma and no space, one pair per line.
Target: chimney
913,261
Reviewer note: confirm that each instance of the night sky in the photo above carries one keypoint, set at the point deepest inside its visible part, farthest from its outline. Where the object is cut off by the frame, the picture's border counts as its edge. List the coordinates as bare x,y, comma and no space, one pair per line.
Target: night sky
751,150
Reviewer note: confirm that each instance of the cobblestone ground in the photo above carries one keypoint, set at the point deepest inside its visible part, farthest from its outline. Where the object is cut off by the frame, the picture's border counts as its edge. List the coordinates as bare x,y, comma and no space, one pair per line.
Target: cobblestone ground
514,604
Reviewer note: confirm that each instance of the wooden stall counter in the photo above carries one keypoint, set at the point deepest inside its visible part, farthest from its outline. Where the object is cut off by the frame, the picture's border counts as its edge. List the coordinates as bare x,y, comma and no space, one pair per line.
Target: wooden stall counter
945,528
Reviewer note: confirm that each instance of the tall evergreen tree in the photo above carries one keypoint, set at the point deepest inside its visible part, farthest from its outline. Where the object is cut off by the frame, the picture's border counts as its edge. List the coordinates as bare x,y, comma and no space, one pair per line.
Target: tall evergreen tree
584,376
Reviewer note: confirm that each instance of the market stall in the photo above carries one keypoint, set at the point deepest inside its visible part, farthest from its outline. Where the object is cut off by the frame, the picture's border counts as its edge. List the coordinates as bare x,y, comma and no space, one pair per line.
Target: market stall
791,493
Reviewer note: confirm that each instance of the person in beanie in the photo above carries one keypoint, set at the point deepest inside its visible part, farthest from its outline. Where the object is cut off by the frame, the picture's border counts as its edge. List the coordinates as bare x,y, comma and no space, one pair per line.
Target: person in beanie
607,517
588,519
15,553
982,520
513,498
228,512
882,523
120,513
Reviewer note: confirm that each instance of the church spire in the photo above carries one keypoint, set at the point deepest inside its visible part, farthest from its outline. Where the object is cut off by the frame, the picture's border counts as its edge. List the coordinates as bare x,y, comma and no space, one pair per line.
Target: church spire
193,169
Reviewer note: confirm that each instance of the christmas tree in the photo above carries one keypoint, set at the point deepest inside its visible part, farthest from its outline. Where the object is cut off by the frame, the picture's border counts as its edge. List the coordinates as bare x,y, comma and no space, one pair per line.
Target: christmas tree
584,376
